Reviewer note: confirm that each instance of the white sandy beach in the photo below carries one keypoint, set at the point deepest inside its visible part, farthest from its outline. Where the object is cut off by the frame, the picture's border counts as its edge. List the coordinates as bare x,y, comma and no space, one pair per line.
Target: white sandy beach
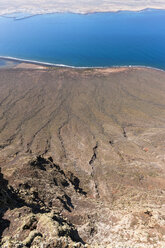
85,6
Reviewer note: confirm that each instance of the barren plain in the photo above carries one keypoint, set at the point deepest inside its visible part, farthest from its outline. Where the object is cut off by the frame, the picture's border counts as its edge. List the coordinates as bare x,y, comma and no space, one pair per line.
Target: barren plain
85,6
82,157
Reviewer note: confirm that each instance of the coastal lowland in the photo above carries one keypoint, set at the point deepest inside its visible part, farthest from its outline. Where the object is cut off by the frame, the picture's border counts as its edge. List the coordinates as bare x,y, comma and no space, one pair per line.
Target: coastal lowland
85,6
82,157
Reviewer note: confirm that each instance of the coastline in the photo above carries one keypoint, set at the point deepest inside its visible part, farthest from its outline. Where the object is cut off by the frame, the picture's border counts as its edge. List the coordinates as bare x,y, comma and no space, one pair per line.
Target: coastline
18,16
39,61
30,12
42,65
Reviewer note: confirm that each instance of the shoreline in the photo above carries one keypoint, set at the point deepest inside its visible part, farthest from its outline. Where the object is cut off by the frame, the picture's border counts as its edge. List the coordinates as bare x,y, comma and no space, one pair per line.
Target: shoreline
47,64
30,13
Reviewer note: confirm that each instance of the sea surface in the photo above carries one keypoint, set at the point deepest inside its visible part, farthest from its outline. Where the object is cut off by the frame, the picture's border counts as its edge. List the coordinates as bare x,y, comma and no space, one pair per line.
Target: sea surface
91,40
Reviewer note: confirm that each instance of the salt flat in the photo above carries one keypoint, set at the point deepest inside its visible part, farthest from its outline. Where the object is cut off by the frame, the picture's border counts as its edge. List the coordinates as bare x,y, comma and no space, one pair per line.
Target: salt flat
85,6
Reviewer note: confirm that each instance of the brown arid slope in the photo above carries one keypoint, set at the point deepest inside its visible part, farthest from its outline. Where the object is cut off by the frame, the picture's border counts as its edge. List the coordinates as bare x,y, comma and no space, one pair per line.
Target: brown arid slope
82,157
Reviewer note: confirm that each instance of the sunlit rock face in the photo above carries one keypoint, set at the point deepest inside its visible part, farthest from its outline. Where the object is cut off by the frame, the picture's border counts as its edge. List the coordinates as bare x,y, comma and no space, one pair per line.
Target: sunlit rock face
82,157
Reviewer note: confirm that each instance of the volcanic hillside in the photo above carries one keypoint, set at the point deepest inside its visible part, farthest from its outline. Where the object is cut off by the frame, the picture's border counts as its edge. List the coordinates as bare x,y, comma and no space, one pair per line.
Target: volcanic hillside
82,157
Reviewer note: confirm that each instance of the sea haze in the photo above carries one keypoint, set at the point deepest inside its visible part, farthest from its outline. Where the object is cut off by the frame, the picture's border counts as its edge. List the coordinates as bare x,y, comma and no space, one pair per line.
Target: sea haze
99,39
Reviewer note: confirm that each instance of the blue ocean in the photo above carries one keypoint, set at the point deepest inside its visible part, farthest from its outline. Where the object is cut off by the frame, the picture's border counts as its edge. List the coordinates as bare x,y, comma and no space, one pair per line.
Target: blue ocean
91,40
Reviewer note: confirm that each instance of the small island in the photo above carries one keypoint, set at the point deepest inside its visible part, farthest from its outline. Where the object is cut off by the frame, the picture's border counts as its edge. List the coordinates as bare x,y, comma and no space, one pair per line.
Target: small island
83,7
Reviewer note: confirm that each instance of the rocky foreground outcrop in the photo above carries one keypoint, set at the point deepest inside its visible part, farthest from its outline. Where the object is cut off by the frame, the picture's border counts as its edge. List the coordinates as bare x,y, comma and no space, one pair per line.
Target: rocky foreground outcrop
27,216
82,158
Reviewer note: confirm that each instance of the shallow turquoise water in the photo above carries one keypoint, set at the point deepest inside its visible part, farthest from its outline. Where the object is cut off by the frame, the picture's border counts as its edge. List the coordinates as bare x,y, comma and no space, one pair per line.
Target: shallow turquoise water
100,39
